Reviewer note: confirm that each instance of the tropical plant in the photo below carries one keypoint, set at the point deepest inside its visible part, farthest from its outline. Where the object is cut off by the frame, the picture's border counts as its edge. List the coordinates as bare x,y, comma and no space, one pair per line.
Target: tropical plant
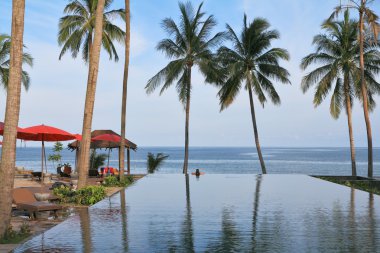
112,181
155,161
97,160
56,156
86,196
76,29
5,50
125,87
84,152
189,44
366,15
254,62
338,56
12,112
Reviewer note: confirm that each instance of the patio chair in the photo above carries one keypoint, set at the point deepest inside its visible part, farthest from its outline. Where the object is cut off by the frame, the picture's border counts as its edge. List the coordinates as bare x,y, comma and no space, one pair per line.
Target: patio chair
93,173
63,174
25,200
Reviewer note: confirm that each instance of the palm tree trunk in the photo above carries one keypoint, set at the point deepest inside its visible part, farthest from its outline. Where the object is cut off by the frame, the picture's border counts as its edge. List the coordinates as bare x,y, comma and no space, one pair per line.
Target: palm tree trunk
12,111
84,152
364,92
263,169
125,86
186,160
349,121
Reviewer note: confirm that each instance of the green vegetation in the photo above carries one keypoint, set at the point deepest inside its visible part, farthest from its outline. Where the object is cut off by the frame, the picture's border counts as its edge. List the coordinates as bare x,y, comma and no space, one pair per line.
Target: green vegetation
13,237
154,162
337,70
56,156
88,195
189,44
97,160
360,185
77,28
252,64
5,49
112,181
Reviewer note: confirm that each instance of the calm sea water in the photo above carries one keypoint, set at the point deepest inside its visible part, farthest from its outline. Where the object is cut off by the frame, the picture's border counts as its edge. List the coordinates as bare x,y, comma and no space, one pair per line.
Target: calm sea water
230,160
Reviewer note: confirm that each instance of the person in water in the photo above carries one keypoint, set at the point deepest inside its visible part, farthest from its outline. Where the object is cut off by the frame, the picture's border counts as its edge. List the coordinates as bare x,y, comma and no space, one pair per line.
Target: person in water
197,173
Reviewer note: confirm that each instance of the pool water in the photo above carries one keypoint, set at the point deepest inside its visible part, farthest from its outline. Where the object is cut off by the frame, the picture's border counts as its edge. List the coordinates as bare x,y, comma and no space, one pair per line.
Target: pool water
222,213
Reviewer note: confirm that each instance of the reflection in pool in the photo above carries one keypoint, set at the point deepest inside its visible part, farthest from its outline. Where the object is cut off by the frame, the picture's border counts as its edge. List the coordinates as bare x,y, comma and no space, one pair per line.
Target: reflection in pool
222,213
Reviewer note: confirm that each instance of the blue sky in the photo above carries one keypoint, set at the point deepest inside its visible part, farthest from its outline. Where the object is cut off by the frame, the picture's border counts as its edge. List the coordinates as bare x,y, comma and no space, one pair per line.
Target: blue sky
56,96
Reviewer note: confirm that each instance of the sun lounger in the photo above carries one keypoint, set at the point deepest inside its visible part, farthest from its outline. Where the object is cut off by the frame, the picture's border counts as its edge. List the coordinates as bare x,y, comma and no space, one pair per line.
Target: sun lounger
25,200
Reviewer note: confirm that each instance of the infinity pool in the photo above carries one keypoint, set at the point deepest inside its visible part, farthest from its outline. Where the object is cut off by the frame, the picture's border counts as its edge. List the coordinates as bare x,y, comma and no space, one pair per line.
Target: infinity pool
222,213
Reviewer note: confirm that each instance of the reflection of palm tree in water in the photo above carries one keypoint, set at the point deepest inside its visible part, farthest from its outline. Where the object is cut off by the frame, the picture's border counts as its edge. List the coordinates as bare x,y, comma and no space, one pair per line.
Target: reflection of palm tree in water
86,229
372,223
187,232
124,221
256,211
230,240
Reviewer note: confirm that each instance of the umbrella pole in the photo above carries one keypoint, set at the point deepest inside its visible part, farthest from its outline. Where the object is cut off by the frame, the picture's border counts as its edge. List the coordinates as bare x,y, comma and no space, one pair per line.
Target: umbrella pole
45,159
42,162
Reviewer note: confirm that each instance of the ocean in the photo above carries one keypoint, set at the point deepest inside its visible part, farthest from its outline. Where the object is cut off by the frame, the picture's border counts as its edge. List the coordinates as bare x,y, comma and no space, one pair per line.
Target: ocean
228,160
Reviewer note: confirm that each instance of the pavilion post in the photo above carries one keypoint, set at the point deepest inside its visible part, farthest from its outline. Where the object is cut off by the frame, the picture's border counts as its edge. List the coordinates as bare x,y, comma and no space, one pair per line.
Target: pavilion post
128,161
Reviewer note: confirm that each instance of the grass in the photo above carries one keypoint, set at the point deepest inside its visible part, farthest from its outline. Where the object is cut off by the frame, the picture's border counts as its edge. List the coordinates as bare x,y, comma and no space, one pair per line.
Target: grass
360,185
13,237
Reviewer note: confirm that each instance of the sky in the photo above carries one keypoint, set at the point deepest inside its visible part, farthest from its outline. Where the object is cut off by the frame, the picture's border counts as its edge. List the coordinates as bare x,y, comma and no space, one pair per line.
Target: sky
57,93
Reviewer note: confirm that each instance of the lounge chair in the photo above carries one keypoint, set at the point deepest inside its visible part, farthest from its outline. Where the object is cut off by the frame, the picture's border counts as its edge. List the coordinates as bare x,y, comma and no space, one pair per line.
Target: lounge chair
25,200
93,173
63,174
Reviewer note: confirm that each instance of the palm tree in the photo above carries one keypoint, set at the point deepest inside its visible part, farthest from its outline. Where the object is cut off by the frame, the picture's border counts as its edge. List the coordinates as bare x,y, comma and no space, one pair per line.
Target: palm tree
253,61
5,46
12,111
368,16
84,151
189,44
125,86
338,52
154,162
76,29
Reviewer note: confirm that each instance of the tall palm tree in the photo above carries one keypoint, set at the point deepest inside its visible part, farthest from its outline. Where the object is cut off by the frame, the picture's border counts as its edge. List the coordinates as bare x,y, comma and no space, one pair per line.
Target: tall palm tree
125,86
338,59
12,111
76,29
5,46
366,15
84,151
189,44
254,62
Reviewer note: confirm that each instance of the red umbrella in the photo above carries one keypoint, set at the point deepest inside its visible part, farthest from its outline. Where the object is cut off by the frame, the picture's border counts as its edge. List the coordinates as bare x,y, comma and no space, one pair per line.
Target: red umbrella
20,132
78,137
110,138
45,133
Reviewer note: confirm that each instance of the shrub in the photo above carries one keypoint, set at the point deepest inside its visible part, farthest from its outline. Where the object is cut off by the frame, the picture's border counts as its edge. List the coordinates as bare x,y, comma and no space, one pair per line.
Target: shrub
13,237
153,162
112,181
97,160
88,195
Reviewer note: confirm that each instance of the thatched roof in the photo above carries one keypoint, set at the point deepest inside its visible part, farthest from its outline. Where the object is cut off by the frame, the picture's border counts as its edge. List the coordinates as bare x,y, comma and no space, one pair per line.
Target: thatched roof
104,144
